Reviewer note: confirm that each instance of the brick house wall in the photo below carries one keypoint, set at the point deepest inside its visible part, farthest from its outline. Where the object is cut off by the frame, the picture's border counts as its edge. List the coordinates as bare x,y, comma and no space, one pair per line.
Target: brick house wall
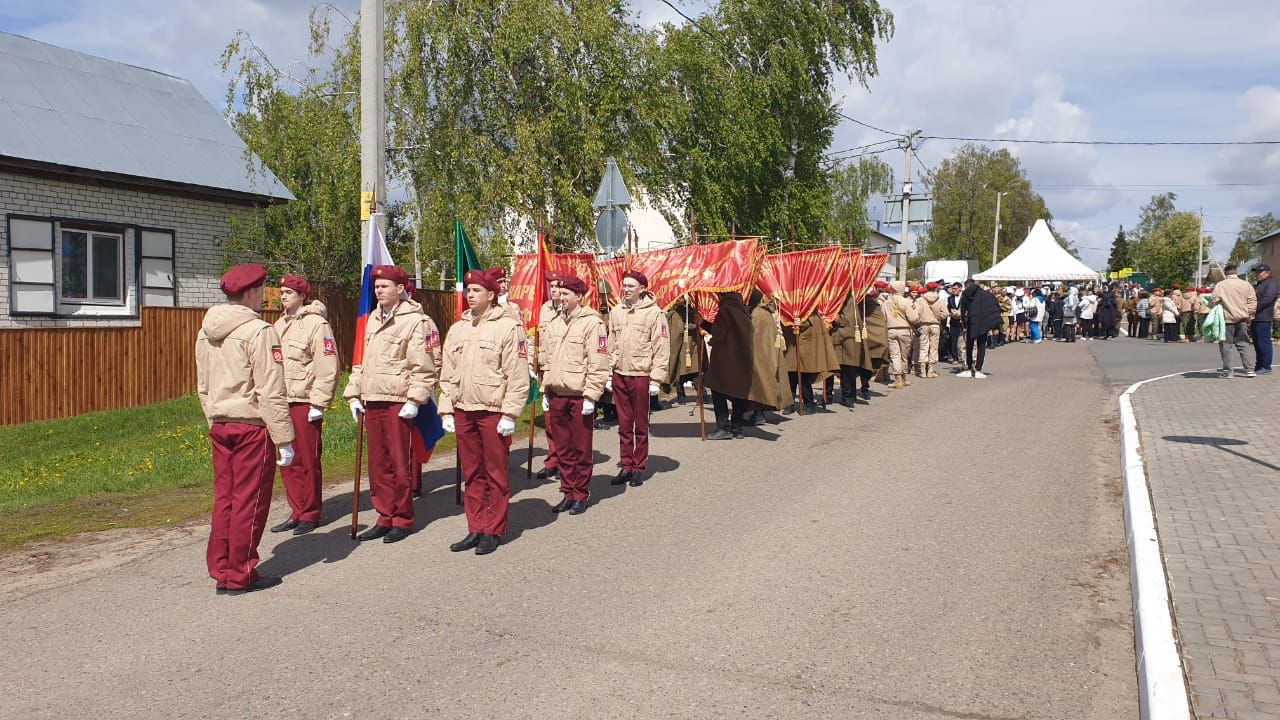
199,225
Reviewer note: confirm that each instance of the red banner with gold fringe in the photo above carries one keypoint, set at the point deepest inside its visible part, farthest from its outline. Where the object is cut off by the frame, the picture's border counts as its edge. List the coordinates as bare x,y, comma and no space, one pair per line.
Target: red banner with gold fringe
796,280
839,285
700,271
523,290
865,273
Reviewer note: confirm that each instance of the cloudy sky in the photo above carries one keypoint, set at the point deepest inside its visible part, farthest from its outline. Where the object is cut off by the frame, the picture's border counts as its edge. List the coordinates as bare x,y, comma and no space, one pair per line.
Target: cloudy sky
1150,70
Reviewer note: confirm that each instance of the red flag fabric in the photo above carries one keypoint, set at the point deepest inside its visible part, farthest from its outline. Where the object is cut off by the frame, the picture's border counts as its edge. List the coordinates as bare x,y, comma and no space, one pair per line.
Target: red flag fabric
839,285
611,272
796,280
865,273
700,271
527,288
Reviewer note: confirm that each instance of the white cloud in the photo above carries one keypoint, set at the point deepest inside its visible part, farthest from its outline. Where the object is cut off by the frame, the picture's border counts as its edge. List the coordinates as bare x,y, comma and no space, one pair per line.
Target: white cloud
1260,107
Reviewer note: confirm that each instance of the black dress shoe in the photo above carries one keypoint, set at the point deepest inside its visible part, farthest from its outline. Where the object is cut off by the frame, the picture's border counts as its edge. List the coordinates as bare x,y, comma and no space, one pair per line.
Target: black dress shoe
720,434
488,543
622,478
262,583
286,525
466,543
396,535
637,478
563,505
373,533
547,472
579,507
303,528
866,394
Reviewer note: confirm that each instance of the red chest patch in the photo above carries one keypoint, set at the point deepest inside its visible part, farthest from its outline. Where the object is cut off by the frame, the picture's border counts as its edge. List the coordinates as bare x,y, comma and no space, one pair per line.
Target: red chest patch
277,354
330,346
602,344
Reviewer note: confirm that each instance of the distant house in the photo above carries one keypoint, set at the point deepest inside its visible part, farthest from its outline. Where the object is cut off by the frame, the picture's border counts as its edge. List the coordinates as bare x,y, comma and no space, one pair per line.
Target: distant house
1268,250
878,242
117,184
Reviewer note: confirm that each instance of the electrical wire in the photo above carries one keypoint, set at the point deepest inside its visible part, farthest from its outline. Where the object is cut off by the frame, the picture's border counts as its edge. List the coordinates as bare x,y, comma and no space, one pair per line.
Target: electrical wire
1101,142
850,118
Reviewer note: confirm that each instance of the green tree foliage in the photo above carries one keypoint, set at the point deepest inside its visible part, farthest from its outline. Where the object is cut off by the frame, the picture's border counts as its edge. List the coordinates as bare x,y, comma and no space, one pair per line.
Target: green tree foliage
1168,251
853,184
1252,229
1153,214
1121,254
304,128
964,206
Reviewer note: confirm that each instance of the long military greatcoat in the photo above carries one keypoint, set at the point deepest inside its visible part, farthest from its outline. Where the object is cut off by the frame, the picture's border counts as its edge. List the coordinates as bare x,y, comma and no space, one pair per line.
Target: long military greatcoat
811,350
769,386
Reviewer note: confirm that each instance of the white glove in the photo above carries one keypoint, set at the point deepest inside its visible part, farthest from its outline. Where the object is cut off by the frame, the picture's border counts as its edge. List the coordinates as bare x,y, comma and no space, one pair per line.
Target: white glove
409,410
286,455
315,414
608,385
588,407
356,408
446,421
653,389
506,426
546,406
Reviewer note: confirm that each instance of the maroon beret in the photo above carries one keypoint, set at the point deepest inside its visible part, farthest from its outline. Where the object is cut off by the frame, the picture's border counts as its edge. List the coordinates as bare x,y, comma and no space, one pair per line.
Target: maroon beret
481,278
296,283
498,273
242,277
932,286
392,273
881,285
637,276
573,283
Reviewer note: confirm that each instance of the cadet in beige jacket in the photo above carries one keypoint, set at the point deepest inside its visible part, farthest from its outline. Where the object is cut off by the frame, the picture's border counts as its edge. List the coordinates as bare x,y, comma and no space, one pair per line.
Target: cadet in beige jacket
639,351
483,388
396,377
310,378
900,316
931,308
574,357
551,462
240,381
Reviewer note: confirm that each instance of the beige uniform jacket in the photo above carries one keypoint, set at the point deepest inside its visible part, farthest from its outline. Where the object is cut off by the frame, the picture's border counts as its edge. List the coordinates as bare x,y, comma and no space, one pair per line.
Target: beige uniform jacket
512,311
1239,301
639,342
310,355
930,309
486,365
401,357
240,371
900,313
575,354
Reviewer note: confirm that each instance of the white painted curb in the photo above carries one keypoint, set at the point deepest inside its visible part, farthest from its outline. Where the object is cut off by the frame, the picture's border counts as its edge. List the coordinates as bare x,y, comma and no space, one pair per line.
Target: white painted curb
1162,688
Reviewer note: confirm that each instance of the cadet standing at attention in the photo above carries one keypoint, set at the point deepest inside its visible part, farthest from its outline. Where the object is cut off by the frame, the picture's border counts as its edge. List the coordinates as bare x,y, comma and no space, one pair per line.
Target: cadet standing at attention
639,350
240,381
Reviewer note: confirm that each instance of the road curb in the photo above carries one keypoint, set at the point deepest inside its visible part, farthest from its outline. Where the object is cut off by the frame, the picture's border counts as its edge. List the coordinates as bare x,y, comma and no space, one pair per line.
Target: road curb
1162,687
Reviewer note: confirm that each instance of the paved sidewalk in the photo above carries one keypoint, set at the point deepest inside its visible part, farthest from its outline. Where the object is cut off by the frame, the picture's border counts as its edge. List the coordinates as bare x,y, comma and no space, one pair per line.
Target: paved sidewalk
1212,456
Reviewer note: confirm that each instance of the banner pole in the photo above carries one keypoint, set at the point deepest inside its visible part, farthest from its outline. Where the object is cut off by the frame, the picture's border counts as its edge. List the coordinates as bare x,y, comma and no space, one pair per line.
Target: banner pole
355,491
702,410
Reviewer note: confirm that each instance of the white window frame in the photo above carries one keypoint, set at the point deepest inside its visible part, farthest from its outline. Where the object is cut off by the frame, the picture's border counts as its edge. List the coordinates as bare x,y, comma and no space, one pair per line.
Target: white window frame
91,299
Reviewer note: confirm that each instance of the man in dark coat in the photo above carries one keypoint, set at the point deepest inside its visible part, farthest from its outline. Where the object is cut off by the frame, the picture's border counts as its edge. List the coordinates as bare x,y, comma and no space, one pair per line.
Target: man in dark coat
1264,318
980,314
809,354
729,367
769,390
1108,314
686,357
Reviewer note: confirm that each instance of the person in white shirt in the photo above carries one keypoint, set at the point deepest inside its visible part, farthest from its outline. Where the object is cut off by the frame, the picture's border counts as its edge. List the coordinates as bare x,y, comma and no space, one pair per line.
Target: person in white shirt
1088,304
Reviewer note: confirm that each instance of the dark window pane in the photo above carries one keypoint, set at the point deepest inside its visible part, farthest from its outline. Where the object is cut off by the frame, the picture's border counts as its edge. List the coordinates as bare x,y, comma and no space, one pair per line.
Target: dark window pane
106,267
75,265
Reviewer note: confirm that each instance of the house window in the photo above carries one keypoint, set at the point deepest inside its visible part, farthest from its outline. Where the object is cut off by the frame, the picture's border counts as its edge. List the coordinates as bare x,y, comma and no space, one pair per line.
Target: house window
92,267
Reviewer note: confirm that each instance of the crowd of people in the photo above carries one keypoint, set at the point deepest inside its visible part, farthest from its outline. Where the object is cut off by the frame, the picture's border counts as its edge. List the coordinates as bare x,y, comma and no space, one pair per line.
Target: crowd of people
264,389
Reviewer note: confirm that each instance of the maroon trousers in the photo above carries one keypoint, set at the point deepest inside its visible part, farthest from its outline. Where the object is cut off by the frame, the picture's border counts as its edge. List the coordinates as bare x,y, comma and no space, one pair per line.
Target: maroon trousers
304,478
570,431
389,483
243,472
551,460
482,453
631,397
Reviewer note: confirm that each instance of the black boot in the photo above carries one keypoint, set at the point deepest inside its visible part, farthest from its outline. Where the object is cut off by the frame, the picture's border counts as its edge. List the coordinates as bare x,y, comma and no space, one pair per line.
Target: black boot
622,478
373,533
396,535
286,525
563,505
466,543
487,544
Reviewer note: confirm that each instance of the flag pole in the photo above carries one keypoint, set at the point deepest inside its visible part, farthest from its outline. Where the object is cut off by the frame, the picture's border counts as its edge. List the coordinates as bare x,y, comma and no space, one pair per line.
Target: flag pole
355,491
533,412
702,409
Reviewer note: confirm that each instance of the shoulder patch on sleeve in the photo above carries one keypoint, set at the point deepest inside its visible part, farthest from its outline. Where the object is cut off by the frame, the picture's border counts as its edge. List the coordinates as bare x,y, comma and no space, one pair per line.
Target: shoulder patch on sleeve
663,327
330,346
277,354
602,344
522,348
433,340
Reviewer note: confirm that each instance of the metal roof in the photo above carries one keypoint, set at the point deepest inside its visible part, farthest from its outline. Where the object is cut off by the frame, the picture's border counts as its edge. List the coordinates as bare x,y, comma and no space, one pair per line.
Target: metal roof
76,110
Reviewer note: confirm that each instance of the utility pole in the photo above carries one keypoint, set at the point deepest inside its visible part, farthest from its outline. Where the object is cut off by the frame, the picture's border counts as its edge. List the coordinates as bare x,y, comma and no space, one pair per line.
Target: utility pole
373,144
995,238
1200,247
906,208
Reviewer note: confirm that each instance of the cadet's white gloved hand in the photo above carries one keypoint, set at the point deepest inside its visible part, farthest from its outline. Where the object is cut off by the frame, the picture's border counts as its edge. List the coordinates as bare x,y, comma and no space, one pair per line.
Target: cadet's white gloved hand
315,414
409,410
608,385
546,406
506,426
588,407
357,407
653,389
447,422
286,455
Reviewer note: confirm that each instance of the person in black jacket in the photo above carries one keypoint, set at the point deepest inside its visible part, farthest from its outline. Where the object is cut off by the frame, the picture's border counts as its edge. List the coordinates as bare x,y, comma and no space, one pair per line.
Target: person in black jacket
1053,307
1108,315
1264,318
979,314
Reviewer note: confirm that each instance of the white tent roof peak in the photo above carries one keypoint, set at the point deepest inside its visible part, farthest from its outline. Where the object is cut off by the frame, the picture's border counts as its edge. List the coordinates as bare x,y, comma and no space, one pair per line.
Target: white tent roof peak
1039,257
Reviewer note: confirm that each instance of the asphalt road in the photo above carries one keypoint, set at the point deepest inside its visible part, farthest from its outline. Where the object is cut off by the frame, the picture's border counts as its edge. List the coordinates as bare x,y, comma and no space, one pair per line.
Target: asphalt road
955,550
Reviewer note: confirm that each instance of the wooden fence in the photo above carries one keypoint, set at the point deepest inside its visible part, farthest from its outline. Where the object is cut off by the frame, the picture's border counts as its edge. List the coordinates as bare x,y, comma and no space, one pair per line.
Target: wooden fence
48,373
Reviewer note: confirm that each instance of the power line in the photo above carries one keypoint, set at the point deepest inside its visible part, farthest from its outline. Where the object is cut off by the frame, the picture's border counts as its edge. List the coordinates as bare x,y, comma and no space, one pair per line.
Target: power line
864,147
863,124
1102,142
1117,186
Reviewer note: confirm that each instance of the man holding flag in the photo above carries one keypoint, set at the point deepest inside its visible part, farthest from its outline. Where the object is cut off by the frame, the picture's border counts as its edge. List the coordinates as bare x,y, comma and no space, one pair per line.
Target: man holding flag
483,389
393,377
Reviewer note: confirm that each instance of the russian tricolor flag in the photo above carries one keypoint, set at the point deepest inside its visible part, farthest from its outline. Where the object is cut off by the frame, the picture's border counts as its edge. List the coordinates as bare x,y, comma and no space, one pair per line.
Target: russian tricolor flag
430,430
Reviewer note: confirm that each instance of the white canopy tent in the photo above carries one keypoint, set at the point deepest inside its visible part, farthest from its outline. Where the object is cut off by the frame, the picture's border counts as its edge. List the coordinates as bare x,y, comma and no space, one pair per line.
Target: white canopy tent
1039,257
